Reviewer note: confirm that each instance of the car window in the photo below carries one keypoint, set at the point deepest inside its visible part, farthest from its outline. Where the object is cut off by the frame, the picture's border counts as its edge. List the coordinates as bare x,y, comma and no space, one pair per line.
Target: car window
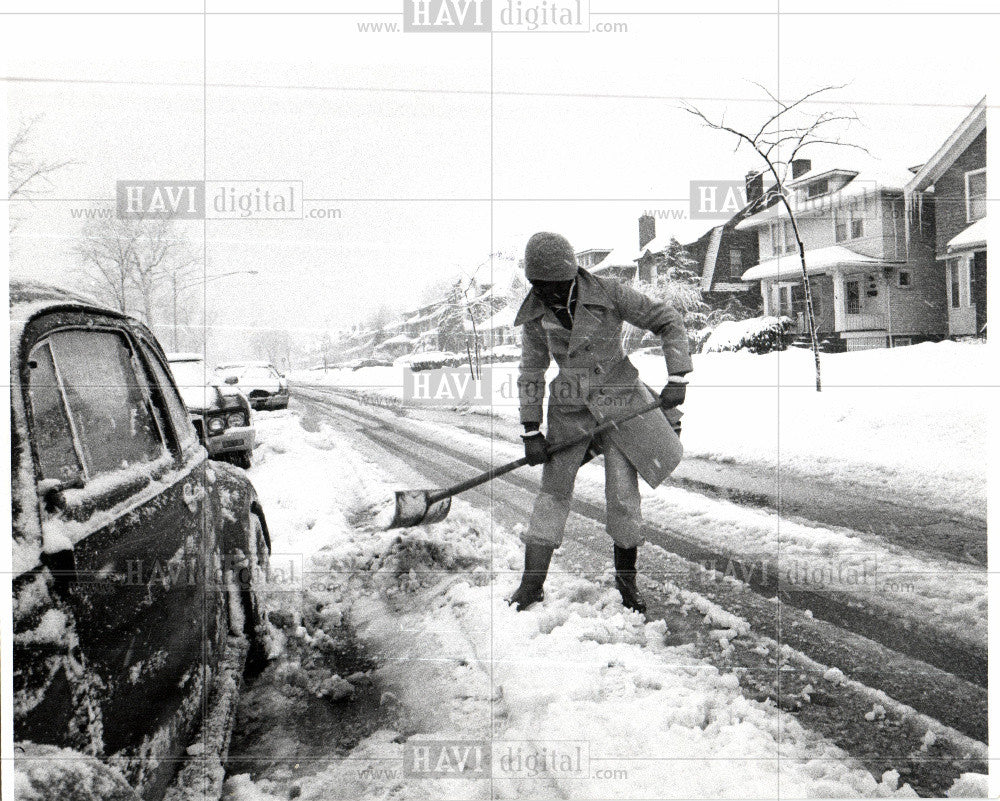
175,406
259,373
50,428
111,415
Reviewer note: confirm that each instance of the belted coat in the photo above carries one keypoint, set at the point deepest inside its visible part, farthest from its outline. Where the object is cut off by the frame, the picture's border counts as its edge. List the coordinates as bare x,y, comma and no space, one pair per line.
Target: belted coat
596,381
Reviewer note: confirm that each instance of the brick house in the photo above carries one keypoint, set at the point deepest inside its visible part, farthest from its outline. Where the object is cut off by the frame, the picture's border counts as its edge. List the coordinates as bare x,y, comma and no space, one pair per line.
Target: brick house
950,191
874,279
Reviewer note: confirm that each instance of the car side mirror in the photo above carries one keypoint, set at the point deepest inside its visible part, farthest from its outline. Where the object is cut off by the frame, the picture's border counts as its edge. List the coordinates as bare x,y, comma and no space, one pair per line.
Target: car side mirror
232,380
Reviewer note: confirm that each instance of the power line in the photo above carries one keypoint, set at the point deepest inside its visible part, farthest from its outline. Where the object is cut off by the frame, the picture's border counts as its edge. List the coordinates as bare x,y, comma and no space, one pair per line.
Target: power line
462,92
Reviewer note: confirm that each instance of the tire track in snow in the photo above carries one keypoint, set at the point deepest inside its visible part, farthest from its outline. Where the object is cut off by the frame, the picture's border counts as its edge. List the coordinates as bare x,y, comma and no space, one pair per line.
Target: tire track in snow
778,673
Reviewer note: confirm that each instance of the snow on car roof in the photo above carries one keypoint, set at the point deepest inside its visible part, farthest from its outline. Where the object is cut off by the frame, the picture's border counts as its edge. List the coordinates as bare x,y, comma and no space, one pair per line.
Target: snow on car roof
24,292
185,357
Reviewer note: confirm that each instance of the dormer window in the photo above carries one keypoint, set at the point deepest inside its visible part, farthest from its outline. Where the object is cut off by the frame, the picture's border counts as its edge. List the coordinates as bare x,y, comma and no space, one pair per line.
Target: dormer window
817,188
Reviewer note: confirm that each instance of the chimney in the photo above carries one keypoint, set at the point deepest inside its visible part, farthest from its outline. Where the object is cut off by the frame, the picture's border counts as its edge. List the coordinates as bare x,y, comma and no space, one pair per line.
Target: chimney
800,167
754,186
647,230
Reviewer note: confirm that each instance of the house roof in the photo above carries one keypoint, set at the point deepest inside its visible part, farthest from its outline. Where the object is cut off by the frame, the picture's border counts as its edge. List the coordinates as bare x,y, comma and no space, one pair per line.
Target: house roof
501,319
819,260
711,257
969,238
657,244
875,177
619,257
400,339
956,144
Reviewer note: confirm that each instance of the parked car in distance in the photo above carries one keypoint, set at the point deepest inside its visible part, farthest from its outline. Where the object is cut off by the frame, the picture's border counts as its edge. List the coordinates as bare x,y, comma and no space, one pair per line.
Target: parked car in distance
139,566
259,381
220,412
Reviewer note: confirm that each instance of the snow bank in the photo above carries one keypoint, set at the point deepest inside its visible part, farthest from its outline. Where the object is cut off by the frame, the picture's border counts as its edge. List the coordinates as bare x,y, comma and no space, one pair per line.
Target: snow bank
456,663
908,423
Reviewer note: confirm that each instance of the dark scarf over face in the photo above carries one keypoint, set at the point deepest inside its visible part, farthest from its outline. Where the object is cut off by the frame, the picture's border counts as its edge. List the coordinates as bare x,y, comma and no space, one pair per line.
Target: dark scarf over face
559,297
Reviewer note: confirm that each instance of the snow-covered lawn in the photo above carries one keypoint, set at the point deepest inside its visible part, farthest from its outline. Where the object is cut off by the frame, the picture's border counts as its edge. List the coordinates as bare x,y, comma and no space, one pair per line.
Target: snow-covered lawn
457,664
909,423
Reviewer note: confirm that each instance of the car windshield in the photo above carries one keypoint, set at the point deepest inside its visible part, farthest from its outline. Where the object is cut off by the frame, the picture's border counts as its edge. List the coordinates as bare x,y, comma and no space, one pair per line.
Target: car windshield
191,382
258,374
189,373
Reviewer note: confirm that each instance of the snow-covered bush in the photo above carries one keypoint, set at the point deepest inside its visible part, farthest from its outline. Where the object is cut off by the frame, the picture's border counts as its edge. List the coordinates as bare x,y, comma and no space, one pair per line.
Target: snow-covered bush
432,360
757,335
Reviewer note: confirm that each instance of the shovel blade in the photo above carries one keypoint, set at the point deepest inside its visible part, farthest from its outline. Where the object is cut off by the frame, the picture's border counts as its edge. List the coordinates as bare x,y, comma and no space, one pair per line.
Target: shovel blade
414,508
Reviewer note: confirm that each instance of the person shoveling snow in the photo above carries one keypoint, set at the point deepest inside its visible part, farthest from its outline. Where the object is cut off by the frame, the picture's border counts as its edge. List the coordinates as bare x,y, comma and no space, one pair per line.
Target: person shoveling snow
577,318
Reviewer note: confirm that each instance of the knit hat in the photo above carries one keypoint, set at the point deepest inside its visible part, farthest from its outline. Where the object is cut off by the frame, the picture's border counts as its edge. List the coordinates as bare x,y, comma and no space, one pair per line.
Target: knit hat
549,257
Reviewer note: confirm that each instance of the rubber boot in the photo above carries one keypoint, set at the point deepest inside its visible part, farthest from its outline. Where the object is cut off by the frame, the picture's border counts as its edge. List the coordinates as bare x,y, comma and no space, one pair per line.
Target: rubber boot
625,579
536,567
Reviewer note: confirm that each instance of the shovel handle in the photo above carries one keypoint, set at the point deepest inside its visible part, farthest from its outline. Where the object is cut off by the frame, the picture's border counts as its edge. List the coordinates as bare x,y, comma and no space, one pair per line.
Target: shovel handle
492,473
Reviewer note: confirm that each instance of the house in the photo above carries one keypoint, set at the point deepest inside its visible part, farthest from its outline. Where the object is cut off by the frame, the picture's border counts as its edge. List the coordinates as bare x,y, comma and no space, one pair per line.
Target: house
423,325
652,249
616,263
874,280
950,190
725,251
498,328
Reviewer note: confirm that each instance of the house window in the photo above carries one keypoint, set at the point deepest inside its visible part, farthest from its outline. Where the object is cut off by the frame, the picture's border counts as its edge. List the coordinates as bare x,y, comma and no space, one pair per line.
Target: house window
818,188
975,195
853,289
849,222
735,263
955,283
905,279
782,238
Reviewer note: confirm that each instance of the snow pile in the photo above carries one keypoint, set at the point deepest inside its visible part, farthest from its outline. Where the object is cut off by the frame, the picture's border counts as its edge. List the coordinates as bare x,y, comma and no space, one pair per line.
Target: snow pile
454,662
970,785
45,772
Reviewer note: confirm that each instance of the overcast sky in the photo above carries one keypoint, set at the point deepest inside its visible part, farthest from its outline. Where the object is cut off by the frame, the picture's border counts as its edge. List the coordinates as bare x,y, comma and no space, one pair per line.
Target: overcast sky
431,172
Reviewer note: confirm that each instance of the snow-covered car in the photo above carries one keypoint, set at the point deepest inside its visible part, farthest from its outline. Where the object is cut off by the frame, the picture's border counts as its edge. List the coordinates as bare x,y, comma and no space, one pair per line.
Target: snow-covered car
220,412
138,564
259,381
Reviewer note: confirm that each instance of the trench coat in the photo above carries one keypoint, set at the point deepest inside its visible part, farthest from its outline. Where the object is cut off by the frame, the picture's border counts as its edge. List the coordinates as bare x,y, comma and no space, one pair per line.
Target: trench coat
596,381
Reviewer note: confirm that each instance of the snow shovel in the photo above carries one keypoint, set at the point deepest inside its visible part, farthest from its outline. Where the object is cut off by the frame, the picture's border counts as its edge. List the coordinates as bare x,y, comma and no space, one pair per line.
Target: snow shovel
416,507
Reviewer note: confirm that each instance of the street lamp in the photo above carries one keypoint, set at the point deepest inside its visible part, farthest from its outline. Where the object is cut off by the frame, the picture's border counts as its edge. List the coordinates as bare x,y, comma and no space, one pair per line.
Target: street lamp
176,289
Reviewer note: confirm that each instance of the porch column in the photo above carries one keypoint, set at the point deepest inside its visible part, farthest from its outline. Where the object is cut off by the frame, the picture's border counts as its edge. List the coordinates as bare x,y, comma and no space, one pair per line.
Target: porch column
839,301
765,294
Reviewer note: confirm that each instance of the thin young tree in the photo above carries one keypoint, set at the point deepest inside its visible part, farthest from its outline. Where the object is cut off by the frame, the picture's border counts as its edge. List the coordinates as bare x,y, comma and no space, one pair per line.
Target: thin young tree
778,142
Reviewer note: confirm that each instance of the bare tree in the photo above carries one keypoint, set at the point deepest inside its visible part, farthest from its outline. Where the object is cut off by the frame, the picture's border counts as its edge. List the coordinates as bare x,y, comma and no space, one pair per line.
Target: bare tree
778,142
130,262
28,174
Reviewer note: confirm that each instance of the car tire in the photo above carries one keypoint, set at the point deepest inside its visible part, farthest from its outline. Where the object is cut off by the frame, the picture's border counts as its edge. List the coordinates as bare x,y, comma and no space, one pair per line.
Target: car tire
243,459
255,622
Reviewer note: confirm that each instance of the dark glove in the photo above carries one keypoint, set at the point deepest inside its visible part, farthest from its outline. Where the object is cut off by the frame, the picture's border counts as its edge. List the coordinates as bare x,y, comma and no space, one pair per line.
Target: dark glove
673,395
535,447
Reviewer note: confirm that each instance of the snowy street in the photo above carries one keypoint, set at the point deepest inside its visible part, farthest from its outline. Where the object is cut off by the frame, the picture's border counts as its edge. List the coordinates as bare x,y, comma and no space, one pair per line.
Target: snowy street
784,652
